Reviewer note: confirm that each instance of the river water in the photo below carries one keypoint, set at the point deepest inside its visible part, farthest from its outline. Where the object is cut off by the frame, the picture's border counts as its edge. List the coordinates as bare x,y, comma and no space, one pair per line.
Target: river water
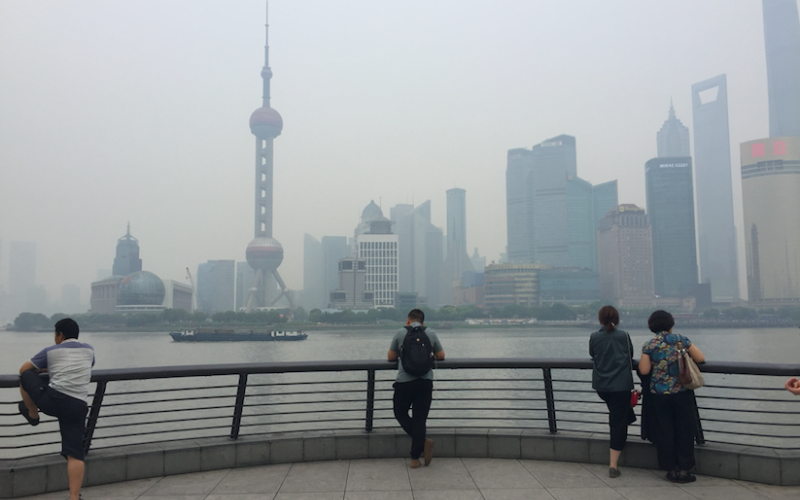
726,398
127,350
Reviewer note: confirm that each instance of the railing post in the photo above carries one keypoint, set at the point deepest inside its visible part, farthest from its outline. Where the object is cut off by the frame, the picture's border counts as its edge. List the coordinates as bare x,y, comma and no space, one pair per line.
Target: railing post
551,400
94,413
238,407
699,437
370,399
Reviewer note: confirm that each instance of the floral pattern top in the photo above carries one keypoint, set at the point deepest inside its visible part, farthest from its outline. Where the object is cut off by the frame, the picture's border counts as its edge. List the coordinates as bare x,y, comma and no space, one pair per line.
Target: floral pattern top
663,352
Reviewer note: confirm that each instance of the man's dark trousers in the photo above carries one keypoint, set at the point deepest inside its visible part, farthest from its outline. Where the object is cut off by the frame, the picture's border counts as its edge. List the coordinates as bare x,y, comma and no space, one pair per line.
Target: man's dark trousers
415,395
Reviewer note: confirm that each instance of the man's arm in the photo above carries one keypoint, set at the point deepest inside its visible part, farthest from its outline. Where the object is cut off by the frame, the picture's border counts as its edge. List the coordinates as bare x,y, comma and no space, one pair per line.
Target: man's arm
27,366
439,355
391,355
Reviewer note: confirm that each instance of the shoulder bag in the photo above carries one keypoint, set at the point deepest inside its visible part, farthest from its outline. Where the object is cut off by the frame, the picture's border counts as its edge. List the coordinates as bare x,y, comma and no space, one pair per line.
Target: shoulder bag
690,376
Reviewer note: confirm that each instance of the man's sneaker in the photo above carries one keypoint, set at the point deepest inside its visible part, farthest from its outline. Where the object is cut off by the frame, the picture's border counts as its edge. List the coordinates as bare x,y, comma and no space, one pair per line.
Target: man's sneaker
414,463
613,472
428,451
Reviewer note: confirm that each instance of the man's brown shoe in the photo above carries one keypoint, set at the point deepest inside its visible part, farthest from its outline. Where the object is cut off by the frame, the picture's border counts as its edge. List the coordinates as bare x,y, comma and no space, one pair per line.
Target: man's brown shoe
428,451
414,463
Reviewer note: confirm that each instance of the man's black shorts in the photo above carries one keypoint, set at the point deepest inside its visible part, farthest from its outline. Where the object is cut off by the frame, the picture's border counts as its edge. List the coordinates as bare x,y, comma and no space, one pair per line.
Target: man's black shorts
70,412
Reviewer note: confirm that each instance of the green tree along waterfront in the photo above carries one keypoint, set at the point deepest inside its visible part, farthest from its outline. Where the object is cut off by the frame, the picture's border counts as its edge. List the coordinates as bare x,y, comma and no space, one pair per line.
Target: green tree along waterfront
178,318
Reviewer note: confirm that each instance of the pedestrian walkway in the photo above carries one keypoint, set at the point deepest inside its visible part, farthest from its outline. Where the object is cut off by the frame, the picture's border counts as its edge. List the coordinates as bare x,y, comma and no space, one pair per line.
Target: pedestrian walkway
444,479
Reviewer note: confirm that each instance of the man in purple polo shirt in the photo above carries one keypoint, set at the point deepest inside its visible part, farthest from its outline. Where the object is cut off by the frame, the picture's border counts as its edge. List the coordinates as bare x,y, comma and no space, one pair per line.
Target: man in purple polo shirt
69,364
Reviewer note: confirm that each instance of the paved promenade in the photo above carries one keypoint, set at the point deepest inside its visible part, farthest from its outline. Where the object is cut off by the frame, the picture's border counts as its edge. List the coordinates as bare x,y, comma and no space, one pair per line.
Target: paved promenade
444,479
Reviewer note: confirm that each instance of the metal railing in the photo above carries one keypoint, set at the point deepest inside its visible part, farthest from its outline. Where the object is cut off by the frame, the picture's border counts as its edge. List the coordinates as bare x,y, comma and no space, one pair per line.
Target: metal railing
742,403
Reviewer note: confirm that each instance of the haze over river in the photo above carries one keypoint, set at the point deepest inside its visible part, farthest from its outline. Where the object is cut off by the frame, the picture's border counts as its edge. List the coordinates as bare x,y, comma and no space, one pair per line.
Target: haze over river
123,350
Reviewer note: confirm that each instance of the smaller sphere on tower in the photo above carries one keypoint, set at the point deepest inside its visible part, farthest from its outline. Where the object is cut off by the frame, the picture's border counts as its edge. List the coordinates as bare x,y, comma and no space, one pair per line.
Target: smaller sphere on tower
264,253
266,123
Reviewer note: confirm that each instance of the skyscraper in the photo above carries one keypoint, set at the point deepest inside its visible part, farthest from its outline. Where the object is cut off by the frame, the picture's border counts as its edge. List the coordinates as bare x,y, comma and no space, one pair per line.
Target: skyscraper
581,249
625,258
379,247
334,249
670,204
605,198
313,274
782,44
22,276
552,214
265,253
771,194
673,138
127,260
420,247
555,160
456,260
216,286
717,254
519,205
245,276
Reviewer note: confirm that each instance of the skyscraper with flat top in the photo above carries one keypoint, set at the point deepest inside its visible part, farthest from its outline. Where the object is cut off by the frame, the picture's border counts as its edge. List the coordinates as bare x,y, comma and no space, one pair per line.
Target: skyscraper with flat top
625,258
717,254
670,204
782,44
771,195
519,205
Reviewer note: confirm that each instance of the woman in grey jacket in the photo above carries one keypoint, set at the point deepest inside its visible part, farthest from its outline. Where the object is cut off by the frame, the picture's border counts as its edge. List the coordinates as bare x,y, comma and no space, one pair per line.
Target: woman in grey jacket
612,377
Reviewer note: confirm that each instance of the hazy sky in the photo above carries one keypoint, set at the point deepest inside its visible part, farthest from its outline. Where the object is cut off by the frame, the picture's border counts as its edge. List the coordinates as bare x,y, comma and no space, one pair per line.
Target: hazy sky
116,111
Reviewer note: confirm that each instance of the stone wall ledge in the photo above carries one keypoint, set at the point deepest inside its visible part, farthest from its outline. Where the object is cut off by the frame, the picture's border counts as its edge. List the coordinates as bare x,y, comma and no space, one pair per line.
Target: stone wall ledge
37,475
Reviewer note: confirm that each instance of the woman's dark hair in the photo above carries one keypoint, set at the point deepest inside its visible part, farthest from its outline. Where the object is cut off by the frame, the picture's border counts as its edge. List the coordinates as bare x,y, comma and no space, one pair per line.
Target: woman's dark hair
660,321
608,317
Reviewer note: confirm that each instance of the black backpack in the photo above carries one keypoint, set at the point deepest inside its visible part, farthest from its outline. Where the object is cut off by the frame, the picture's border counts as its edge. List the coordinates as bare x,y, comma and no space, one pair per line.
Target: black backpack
416,353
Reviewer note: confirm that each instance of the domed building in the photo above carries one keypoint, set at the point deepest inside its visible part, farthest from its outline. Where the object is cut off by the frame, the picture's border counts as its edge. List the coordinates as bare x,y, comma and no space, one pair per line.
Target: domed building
370,213
141,288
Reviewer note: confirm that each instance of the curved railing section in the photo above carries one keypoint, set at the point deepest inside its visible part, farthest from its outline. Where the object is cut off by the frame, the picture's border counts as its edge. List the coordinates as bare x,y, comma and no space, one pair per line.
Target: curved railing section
742,403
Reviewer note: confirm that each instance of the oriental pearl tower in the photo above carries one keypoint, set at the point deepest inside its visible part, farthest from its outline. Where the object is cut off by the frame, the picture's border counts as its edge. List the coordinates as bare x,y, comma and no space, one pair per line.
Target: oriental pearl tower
265,253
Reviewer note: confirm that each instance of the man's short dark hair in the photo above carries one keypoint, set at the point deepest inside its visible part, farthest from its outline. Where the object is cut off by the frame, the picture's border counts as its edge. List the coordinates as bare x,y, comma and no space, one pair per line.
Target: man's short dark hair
416,315
660,321
68,327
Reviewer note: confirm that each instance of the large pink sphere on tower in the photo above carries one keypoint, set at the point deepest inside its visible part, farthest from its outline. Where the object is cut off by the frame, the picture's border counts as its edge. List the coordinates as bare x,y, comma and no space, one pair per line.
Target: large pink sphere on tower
264,253
265,122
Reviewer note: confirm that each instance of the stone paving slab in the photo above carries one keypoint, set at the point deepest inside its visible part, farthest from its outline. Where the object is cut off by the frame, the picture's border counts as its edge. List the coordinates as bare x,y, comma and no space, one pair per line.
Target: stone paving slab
444,479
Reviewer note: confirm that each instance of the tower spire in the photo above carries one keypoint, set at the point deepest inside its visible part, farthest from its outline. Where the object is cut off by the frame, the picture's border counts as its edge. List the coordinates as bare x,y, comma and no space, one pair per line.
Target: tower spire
671,109
266,72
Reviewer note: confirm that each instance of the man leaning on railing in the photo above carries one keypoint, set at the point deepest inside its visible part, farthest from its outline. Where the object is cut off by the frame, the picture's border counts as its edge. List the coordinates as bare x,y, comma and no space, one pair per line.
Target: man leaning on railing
69,364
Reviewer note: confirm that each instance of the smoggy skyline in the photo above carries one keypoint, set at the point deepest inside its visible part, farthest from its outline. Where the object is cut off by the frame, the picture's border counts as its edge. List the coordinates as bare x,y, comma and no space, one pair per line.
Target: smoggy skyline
117,112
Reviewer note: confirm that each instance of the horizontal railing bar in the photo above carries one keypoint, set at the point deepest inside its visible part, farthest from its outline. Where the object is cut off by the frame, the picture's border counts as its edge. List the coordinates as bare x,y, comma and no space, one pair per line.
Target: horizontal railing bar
135,424
743,410
151,391
114,415
154,401
167,372
119,436
733,398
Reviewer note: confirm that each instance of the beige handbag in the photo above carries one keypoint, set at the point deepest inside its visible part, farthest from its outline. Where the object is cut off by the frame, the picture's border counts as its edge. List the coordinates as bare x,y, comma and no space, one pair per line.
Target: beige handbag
690,376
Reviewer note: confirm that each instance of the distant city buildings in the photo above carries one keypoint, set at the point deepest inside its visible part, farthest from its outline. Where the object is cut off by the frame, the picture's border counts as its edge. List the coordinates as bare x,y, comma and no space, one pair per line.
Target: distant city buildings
245,276
625,258
717,255
511,284
552,214
670,205
379,248
771,192
782,44
22,279
420,252
216,289
139,291
457,260
568,285
352,291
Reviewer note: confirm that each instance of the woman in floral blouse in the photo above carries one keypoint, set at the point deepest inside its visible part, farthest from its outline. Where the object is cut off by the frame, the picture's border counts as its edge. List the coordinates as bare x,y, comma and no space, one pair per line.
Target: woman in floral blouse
673,404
